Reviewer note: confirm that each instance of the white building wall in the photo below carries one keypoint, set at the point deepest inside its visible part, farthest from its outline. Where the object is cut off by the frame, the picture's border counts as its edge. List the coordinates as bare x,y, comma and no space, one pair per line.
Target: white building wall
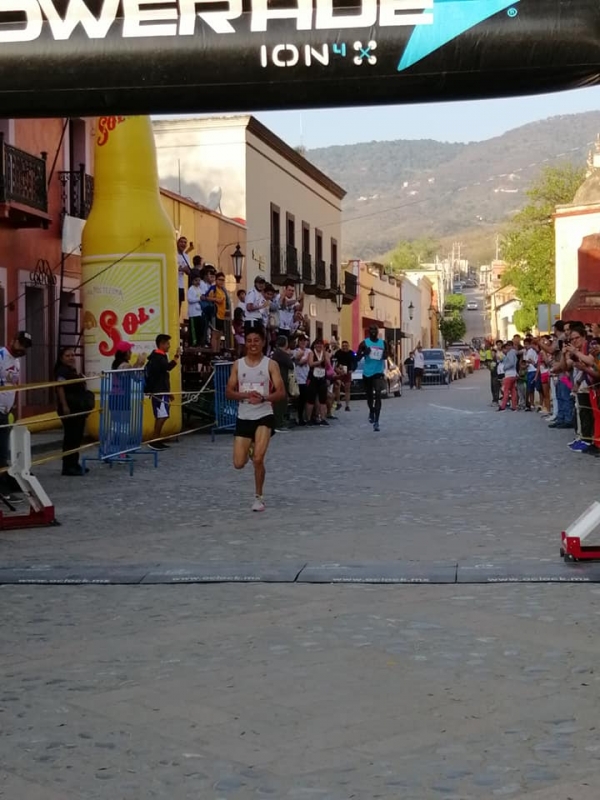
571,225
197,156
411,293
272,179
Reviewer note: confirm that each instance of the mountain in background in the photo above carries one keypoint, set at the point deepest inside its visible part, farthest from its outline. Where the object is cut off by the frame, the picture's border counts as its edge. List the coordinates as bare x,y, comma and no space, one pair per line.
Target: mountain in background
408,189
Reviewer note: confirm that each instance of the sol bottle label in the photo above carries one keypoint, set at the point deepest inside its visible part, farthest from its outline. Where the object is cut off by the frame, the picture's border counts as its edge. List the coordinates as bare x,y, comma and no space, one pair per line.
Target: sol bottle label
125,299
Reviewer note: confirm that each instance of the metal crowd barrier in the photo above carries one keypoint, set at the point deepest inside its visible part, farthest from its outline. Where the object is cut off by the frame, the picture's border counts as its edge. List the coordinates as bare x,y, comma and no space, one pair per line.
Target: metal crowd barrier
435,378
121,418
225,410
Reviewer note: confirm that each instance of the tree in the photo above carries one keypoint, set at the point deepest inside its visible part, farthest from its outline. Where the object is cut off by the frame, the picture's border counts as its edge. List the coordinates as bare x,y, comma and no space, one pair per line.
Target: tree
409,255
455,302
528,245
453,328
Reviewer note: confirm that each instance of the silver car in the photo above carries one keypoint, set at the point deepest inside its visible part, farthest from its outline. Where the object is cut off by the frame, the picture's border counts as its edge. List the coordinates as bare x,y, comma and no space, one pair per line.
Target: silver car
393,380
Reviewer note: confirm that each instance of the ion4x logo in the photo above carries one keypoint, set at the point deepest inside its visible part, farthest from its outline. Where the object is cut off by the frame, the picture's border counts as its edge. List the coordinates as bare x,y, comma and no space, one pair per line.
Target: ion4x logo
450,19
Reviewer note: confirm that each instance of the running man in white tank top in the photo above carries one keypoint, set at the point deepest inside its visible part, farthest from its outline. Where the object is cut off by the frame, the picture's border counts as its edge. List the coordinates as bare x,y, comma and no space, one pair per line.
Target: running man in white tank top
256,384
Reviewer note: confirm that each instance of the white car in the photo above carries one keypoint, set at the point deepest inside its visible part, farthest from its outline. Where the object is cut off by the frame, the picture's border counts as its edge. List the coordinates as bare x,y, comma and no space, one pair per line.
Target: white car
471,306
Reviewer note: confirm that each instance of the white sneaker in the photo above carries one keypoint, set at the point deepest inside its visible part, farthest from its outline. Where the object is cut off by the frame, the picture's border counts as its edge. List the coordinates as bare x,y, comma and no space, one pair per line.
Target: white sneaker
258,504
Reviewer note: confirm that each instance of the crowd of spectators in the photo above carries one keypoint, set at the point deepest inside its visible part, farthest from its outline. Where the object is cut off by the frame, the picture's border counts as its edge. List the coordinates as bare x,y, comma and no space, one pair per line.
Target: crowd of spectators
557,376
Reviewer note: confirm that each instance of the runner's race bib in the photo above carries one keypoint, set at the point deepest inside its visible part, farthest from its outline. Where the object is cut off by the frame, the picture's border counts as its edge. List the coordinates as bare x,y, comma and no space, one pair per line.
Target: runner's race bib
319,372
376,353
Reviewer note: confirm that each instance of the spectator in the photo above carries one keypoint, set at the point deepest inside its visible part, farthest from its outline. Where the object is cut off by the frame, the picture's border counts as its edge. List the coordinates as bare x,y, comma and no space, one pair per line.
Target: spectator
255,300
419,365
218,294
183,265
509,385
409,363
158,386
194,298
74,404
301,356
208,279
496,371
281,355
241,296
344,362
238,331
288,304
10,372
318,361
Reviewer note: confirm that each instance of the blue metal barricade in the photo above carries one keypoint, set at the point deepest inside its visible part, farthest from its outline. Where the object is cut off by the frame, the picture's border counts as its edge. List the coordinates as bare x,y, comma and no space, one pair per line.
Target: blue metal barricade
225,410
121,417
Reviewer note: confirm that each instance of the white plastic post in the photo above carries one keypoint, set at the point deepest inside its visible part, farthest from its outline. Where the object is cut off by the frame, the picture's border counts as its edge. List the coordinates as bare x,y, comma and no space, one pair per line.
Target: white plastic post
20,468
586,524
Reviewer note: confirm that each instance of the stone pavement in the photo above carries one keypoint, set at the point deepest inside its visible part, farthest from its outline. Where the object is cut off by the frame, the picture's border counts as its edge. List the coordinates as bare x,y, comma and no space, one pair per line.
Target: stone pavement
325,692
447,478
298,691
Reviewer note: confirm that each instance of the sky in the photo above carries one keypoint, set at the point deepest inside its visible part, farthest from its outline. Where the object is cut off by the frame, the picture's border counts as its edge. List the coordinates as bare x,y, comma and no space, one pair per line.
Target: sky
449,122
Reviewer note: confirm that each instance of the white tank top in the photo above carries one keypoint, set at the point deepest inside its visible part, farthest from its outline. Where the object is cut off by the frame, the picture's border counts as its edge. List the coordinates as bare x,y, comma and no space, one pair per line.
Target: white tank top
254,379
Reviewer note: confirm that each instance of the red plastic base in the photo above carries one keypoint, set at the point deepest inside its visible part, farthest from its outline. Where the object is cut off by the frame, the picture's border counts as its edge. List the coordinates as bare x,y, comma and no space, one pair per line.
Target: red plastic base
34,519
572,550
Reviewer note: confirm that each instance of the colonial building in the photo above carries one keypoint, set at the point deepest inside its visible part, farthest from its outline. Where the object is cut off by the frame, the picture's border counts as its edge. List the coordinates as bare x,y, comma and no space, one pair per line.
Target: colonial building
378,303
292,210
213,235
572,223
45,194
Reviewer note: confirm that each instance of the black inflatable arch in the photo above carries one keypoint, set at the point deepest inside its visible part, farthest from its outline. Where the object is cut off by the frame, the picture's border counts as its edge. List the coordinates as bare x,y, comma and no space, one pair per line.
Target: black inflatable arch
90,57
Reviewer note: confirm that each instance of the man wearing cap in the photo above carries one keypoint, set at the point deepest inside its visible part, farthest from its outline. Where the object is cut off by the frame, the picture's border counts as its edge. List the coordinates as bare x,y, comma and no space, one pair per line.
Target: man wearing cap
256,304
10,371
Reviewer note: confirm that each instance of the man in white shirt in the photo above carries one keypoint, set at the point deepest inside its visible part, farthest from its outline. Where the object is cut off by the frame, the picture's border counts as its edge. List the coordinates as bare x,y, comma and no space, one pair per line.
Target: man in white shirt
10,371
419,365
183,265
288,305
255,301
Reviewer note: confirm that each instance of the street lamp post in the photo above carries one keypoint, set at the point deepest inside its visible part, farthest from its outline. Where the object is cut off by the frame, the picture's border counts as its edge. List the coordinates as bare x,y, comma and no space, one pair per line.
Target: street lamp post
372,297
411,310
237,259
339,299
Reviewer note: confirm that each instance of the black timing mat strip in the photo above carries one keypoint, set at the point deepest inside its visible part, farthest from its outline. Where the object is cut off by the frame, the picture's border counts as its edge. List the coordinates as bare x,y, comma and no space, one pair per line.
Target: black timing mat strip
407,572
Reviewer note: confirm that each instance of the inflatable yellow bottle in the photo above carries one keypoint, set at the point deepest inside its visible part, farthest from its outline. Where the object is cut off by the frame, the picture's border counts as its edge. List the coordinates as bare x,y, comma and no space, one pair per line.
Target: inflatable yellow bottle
129,266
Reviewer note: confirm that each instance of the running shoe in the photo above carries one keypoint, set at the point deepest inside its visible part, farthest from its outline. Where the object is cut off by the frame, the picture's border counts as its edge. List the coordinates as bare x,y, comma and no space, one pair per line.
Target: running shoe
578,447
347,408
324,421
258,504
376,426
158,446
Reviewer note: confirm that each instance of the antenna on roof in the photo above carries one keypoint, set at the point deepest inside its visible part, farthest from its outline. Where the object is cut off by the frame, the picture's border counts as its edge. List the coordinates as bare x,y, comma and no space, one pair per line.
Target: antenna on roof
214,199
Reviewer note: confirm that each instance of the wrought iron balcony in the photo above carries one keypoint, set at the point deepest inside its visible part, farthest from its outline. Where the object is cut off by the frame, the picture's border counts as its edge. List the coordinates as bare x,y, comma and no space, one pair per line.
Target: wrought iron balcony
307,268
23,192
350,287
77,190
284,263
333,280
321,279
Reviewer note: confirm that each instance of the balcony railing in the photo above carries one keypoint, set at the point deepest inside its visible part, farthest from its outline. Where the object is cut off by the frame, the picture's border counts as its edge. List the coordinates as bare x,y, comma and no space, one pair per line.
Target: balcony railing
77,192
333,279
22,178
350,286
284,263
307,269
321,275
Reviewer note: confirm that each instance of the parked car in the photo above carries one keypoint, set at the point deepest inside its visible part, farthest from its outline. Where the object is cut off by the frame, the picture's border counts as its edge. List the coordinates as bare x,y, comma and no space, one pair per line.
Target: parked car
471,306
393,380
437,367
461,362
467,351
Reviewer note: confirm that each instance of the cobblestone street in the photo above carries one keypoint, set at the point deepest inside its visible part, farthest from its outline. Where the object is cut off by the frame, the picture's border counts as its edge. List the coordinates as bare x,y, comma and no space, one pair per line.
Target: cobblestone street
297,691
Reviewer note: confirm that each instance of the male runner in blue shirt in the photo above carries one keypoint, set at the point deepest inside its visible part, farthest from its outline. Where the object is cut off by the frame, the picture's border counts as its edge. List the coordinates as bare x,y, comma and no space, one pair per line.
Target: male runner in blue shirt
374,351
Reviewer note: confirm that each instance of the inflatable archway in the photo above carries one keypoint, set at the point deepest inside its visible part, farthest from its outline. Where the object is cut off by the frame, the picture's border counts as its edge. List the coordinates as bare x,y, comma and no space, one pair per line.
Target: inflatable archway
90,57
